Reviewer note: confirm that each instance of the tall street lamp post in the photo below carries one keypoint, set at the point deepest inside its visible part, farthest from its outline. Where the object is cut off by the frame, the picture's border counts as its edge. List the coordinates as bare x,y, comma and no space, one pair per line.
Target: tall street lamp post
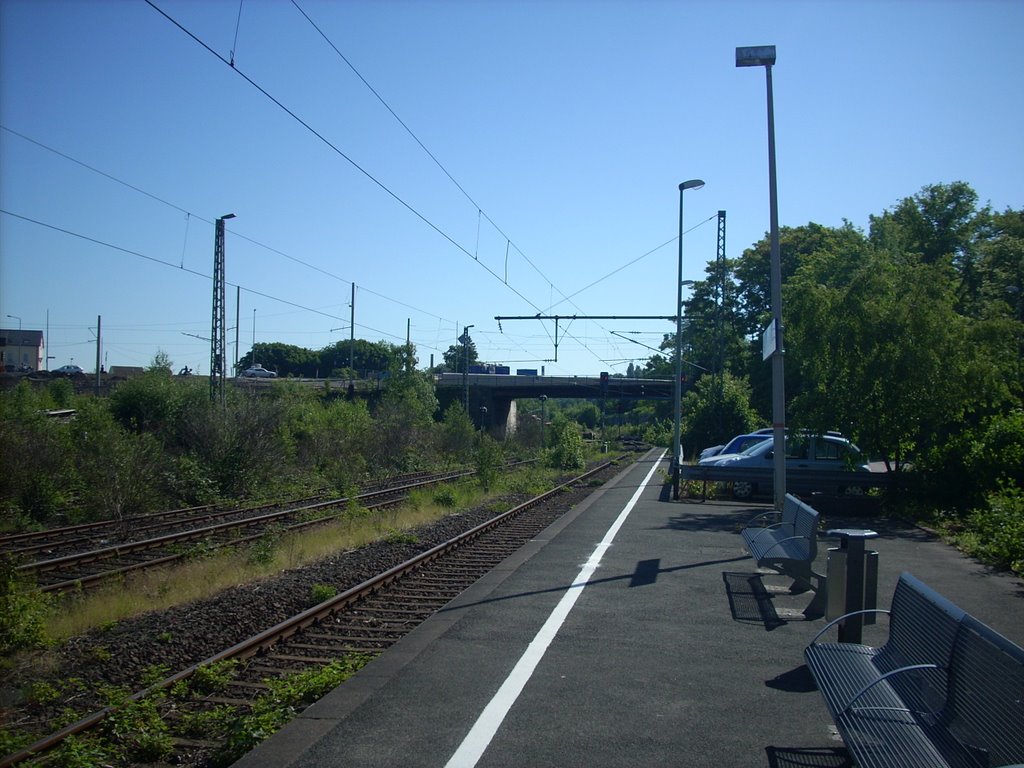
764,56
678,386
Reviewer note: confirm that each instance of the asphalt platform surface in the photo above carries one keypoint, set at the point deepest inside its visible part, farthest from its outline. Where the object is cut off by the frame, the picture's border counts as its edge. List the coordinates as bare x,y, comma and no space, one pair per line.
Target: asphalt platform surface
627,634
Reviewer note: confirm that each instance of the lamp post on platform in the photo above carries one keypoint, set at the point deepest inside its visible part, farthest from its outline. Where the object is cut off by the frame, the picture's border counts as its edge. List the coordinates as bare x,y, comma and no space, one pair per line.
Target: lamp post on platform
677,389
764,56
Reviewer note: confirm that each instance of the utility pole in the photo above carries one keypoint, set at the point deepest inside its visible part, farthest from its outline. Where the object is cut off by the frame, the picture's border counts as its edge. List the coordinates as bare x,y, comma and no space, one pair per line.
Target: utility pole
238,306
218,331
352,331
717,390
465,369
99,336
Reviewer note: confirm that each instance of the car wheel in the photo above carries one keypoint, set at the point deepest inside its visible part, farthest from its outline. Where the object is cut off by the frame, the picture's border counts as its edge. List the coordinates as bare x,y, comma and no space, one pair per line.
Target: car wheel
742,489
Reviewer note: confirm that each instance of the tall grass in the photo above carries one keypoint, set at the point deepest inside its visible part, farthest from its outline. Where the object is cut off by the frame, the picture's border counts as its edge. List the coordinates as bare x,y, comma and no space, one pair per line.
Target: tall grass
161,588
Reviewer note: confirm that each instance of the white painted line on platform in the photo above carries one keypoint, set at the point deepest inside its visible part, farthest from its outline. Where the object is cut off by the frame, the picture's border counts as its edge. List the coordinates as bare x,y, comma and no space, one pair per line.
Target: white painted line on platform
479,737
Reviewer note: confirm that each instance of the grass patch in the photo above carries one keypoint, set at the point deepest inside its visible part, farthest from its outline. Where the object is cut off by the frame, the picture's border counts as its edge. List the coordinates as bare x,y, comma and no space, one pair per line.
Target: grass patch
197,578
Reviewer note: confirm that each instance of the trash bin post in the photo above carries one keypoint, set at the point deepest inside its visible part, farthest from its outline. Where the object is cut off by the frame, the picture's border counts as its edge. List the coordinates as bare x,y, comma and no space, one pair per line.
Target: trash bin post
851,540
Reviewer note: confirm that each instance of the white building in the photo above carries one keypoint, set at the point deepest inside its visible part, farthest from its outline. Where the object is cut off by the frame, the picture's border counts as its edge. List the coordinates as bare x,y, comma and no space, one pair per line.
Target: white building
20,350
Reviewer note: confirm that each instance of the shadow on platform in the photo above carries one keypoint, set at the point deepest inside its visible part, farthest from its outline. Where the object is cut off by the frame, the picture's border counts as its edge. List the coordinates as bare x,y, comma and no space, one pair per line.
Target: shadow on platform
796,757
749,601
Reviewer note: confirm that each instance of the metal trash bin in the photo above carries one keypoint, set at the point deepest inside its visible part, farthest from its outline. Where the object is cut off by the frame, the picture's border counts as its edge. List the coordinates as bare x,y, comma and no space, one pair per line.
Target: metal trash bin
852,581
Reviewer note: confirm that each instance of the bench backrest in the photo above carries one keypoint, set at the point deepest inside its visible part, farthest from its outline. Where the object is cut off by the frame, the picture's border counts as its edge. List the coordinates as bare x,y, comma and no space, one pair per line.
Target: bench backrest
923,627
985,703
804,520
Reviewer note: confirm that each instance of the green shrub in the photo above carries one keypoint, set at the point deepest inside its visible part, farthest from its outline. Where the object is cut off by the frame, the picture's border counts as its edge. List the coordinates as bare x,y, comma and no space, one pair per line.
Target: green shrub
22,612
995,534
280,703
488,461
137,731
86,751
321,593
961,472
210,678
567,452
445,497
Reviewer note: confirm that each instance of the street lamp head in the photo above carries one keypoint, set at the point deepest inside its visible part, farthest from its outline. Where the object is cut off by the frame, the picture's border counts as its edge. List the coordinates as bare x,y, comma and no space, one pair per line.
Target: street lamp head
227,216
691,184
755,56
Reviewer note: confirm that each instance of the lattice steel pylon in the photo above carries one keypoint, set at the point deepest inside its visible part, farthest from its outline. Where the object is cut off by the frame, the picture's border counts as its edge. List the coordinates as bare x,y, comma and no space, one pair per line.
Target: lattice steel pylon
218,332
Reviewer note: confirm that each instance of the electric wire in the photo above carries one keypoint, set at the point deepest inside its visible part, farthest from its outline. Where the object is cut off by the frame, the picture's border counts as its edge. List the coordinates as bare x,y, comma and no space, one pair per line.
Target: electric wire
161,262
363,171
438,163
189,215
631,263
333,147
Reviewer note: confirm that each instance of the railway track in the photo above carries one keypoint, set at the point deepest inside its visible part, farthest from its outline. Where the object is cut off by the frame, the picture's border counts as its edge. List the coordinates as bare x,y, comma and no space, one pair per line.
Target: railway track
169,537
72,538
340,633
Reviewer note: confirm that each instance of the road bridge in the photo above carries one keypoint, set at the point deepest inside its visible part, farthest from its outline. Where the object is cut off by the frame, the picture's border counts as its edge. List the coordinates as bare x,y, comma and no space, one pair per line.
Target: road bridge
498,392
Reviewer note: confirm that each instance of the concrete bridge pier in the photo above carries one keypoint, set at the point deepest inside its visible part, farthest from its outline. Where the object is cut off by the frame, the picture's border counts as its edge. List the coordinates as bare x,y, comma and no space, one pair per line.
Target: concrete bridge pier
500,419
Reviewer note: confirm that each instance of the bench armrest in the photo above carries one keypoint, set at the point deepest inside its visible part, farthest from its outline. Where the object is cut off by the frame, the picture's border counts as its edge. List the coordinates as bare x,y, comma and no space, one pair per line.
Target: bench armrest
873,683
770,513
783,541
763,530
832,623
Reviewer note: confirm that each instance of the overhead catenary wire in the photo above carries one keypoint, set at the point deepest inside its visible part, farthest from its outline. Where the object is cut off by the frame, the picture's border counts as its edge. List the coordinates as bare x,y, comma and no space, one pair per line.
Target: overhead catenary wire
189,215
337,150
163,263
431,155
362,170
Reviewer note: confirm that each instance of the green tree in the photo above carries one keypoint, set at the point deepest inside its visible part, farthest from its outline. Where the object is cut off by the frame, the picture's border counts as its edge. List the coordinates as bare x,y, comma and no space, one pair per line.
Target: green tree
119,472
883,355
567,451
457,433
715,410
403,438
458,356
488,460
150,403
161,364
35,453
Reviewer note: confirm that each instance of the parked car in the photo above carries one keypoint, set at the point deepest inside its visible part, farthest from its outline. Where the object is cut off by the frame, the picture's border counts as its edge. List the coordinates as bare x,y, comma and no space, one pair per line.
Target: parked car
815,452
258,372
69,370
737,445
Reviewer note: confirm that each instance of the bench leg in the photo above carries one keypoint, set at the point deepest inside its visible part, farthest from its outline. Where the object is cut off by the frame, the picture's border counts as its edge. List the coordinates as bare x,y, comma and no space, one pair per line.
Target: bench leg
816,608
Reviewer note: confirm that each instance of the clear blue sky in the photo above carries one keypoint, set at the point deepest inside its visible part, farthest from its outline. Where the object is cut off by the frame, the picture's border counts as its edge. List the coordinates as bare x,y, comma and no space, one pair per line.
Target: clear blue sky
566,125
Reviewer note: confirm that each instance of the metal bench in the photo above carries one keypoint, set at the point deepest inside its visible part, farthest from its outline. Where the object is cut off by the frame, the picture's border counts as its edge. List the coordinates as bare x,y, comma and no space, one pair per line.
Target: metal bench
944,690
788,546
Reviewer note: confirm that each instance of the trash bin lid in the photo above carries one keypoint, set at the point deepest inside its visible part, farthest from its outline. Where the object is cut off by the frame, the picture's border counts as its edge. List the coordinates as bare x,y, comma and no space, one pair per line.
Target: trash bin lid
851,533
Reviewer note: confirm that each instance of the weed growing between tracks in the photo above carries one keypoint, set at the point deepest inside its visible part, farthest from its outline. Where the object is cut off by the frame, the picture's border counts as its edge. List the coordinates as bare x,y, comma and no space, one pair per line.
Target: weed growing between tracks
213,571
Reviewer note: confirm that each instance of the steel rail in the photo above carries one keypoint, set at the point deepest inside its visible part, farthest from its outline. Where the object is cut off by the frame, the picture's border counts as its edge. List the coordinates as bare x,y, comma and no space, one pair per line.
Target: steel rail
268,637
121,550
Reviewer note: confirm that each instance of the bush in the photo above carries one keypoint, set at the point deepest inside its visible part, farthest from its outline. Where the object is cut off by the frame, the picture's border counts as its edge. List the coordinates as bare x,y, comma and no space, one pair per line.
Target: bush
489,461
966,468
321,593
22,612
995,534
567,452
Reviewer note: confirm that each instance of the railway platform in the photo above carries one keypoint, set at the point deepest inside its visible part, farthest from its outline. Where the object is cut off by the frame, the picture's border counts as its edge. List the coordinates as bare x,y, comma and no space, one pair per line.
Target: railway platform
635,631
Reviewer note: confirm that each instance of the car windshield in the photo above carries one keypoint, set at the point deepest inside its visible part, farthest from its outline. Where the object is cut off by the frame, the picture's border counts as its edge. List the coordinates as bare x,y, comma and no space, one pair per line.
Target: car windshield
743,443
757,448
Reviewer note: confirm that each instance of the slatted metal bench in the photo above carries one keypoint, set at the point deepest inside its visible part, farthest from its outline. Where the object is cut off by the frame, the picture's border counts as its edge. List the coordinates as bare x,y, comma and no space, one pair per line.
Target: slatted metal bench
944,690
790,545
